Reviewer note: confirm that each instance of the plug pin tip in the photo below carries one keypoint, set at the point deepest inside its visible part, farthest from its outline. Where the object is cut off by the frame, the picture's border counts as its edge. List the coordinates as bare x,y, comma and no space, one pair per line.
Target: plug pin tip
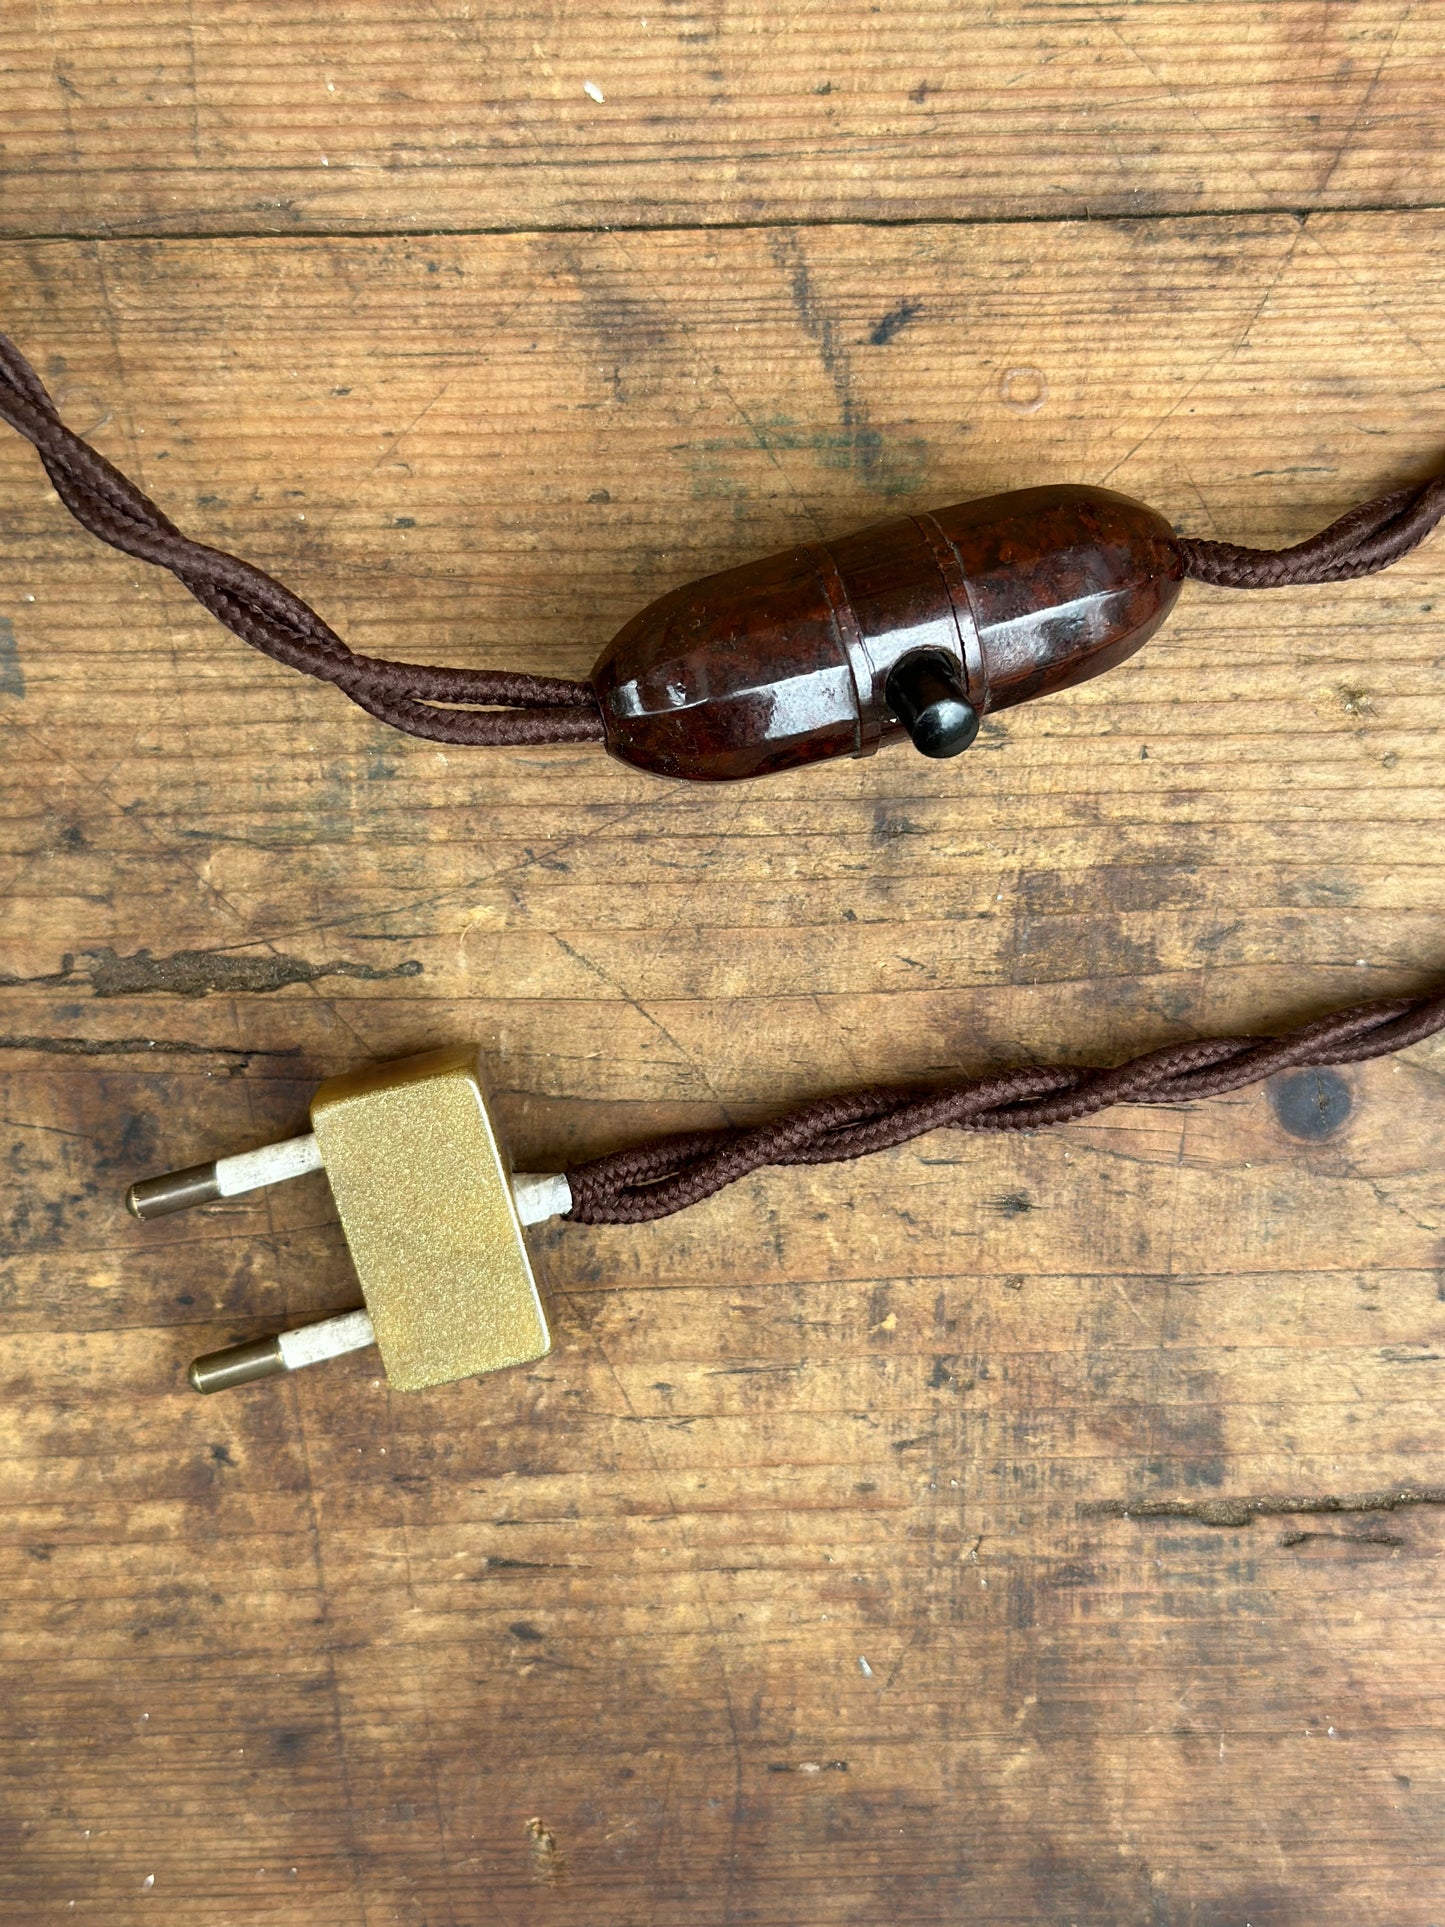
176,1191
237,1365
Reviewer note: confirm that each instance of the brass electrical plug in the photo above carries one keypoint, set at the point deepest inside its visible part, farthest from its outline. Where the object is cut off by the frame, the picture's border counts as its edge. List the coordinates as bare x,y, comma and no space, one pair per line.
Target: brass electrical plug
432,1216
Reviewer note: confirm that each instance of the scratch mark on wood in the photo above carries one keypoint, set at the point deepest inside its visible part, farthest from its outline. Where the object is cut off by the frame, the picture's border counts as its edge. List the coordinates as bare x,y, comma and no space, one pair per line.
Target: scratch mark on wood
136,1047
1364,102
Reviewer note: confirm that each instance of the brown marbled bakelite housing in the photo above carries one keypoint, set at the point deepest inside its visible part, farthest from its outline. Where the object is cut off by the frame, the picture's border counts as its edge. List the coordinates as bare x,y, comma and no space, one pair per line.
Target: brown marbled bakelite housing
786,661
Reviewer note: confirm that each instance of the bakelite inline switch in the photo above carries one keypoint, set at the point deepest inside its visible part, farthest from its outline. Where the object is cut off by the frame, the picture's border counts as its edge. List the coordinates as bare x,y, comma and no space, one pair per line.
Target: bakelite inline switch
432,1215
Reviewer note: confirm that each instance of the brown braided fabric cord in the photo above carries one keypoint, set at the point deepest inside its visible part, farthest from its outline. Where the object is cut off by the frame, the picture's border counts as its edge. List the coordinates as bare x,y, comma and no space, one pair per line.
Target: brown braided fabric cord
1368,538
654,1180
268,616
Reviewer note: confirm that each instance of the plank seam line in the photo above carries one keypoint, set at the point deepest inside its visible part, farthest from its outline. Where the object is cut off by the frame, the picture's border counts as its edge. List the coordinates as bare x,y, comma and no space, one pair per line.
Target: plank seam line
361,232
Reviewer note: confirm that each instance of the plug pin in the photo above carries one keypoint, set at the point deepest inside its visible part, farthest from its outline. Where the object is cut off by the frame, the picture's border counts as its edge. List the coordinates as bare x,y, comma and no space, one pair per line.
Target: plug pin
352,1331
226,1178
537,1198
431,1214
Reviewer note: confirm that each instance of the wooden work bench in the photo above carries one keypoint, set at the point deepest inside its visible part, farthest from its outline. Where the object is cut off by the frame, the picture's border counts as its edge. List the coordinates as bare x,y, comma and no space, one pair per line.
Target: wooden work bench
993,1532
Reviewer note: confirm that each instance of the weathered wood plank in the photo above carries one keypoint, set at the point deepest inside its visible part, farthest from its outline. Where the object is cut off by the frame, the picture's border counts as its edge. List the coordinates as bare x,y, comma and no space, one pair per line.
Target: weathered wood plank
258,116
781,1592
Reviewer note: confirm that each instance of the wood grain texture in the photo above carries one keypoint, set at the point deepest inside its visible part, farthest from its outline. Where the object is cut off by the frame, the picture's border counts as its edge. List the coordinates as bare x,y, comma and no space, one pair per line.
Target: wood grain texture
257,116
792,1588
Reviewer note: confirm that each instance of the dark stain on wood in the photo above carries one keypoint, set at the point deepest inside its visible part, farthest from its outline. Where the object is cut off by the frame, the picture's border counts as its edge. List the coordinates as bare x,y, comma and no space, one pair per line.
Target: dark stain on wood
12,677
1229,1511
203,973
892,323
1314,1104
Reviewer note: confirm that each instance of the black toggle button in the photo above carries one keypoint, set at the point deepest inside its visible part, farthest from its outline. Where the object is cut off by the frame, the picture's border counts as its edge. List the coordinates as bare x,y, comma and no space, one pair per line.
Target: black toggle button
927,696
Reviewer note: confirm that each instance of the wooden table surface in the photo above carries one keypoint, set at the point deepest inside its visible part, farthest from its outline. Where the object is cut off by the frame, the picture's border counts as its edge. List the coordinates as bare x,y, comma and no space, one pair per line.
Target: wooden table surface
993,1532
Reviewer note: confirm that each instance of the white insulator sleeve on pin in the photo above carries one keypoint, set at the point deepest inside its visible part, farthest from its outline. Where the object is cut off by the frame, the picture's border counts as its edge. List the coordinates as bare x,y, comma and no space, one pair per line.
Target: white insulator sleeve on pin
272,1164
351,1332
539,1198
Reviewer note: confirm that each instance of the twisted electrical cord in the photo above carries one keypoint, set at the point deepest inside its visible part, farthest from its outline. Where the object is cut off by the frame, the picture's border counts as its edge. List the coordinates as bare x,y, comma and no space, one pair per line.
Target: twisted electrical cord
654,1180
1363,540
266,614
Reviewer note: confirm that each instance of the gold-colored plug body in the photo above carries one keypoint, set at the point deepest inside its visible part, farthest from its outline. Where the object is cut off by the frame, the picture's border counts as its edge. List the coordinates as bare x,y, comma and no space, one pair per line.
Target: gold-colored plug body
425,1200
